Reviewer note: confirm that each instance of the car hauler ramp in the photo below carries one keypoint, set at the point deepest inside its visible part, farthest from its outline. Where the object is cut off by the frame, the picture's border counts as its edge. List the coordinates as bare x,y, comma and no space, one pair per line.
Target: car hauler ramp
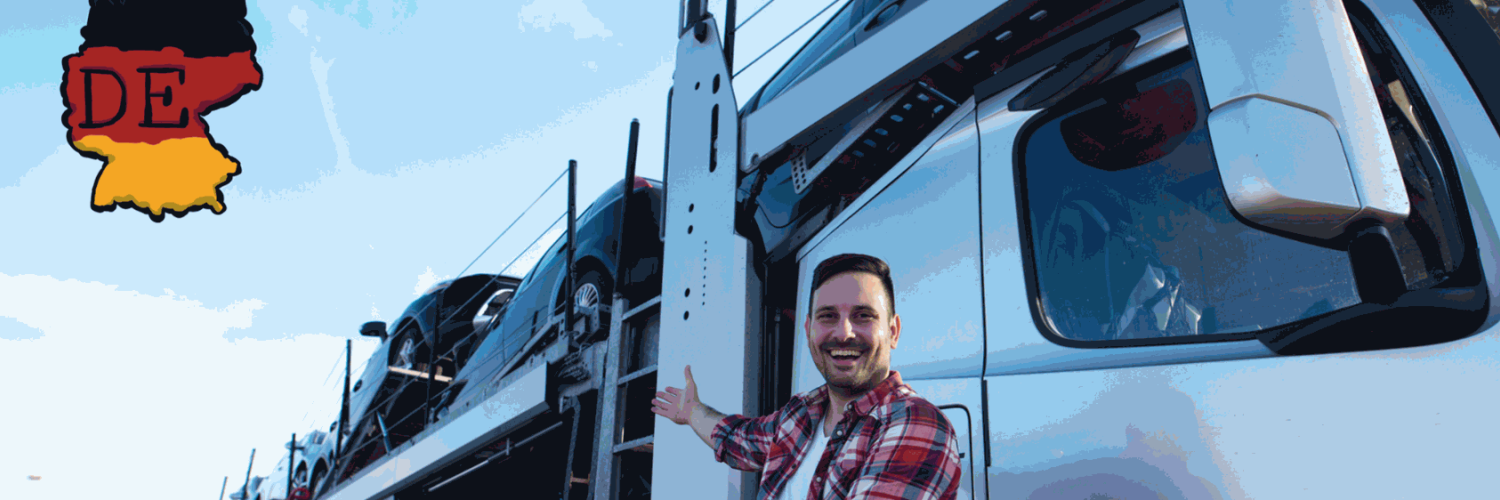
500,413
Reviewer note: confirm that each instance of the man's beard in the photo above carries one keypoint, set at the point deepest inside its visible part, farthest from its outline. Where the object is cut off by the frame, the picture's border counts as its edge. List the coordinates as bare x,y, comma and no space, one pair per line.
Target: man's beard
863,376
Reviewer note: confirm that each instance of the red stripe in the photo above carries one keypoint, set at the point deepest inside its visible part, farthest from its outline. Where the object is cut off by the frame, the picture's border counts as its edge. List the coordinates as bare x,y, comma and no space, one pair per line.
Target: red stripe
195,84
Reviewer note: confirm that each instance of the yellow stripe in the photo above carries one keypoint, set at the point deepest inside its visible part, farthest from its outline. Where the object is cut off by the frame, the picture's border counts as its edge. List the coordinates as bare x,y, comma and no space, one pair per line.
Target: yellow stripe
176,174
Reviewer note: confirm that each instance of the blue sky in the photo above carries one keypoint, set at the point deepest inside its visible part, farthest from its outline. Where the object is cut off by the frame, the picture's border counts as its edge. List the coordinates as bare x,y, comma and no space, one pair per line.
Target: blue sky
391,141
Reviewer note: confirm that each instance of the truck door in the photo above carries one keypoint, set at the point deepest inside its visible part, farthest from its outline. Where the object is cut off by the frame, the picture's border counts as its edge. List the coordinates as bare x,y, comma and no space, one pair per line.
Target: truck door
960,401
937,282
1154,332
922,219
962,420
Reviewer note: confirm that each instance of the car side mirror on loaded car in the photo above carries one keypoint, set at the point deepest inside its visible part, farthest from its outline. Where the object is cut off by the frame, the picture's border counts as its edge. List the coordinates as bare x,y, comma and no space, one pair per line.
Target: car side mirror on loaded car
373,329
490,312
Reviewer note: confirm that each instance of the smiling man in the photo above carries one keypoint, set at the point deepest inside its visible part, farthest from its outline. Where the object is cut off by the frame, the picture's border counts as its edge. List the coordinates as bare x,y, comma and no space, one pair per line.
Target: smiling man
863,434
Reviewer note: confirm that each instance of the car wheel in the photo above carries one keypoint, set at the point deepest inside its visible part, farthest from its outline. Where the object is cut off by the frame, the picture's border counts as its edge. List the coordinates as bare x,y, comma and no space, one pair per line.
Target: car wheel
317,482
405,348
592,299
586,296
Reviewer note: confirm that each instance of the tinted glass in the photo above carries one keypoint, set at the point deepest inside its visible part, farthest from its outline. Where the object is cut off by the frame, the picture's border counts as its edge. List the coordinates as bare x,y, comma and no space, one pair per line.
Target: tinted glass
812,51
1129,227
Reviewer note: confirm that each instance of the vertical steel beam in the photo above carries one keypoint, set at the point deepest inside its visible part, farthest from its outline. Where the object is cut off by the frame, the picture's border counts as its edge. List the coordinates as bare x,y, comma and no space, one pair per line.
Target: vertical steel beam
704,264
572,237
572,448
666,163
729,36
627,187
432,357
245,490
607,408
338,443
291,463
605,465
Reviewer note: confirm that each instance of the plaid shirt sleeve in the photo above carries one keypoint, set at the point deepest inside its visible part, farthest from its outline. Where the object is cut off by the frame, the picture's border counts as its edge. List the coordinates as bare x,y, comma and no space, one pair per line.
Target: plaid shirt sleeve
743,442
915,456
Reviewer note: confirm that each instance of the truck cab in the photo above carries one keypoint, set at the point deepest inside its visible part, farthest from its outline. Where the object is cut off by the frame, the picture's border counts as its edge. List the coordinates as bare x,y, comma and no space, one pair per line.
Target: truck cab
1140,251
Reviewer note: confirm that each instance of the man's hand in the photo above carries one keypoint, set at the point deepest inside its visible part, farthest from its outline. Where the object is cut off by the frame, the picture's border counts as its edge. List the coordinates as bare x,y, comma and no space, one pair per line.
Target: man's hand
682,407
677,404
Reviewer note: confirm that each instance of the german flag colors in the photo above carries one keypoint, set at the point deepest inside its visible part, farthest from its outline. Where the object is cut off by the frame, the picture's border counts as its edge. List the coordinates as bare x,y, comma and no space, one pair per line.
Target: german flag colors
136,94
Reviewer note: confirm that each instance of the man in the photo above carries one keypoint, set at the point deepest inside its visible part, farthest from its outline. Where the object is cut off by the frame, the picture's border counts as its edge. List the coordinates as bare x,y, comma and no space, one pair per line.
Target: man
863,434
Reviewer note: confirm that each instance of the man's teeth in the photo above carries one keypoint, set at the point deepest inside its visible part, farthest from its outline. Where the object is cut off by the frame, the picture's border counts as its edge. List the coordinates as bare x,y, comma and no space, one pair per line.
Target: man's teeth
843,352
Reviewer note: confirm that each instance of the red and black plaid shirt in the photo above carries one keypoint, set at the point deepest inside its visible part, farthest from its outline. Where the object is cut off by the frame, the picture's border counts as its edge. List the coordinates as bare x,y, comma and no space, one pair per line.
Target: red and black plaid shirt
890,444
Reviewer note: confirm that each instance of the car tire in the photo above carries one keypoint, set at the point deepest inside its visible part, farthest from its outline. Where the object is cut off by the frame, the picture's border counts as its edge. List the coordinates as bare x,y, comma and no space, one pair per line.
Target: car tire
317,482
406,348
593,298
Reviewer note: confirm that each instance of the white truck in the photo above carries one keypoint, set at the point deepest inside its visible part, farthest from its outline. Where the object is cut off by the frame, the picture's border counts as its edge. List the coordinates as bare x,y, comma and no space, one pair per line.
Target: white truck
1142,249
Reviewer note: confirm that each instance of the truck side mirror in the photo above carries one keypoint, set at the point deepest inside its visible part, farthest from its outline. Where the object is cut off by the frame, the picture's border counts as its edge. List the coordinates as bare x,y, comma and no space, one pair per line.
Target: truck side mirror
1302,145
373,329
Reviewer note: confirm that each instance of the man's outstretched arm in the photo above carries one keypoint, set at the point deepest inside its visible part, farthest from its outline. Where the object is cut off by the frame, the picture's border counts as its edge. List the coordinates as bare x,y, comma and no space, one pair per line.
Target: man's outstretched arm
742,442
682,406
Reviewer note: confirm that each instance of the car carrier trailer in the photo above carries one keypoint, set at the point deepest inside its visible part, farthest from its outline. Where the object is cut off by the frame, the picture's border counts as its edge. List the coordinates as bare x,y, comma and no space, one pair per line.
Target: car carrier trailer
1143,249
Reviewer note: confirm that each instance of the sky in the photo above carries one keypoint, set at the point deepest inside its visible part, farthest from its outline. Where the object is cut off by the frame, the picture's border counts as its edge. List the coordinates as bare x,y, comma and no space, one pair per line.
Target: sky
389,144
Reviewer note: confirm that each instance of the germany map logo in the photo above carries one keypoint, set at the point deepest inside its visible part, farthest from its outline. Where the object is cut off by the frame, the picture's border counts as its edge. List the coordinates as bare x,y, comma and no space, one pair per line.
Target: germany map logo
136,94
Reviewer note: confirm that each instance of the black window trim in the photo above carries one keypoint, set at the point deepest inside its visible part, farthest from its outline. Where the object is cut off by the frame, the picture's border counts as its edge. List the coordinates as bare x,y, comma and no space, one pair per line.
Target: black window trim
1468,39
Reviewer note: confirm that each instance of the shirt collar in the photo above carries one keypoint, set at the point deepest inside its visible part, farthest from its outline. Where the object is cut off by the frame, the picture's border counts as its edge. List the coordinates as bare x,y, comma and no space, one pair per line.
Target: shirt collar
883,393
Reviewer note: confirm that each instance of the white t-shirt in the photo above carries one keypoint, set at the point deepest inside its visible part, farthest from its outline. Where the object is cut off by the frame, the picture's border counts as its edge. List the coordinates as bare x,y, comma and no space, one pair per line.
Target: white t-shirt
802,479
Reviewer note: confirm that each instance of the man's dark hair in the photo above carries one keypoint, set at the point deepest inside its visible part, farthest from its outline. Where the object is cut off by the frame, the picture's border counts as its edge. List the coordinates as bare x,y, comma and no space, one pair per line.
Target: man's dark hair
852,262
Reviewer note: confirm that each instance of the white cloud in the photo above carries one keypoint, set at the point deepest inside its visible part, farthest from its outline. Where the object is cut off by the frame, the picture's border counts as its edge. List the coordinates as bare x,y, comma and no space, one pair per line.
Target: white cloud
426,280
153,374
591,65
298,17
320,75
545,13
375,313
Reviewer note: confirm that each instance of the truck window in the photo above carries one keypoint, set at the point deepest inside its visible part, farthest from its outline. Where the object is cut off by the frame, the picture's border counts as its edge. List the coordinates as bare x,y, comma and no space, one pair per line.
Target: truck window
1130,233
822,43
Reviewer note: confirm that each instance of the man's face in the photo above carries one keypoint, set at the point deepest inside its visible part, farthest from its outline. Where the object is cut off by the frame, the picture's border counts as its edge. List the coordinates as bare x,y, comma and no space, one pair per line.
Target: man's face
851,332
